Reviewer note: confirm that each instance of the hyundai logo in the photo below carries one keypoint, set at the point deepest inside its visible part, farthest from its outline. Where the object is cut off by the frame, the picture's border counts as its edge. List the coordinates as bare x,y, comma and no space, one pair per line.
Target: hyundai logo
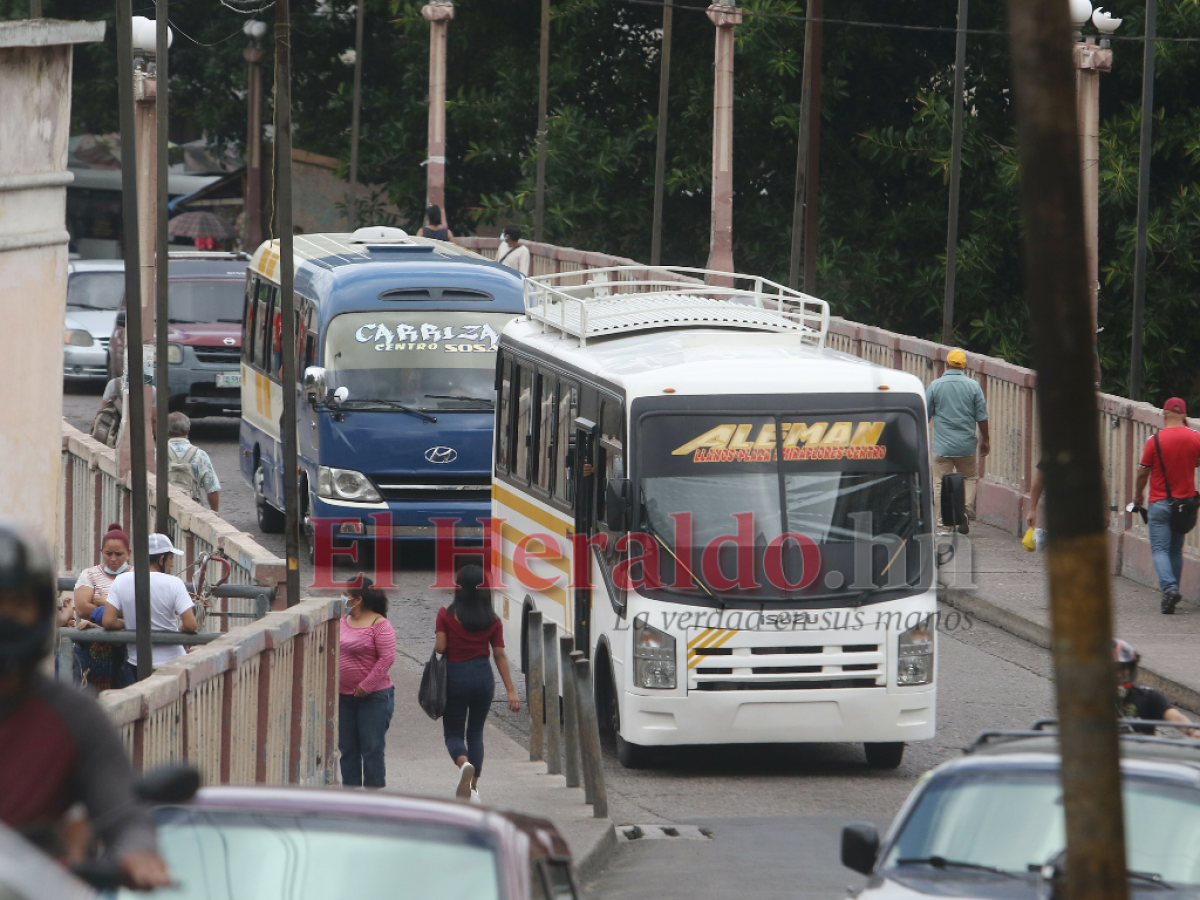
229,342
441,455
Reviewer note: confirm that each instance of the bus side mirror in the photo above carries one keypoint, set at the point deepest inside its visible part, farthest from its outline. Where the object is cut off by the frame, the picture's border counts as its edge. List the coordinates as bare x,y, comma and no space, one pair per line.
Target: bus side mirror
315,388
616,504
860,846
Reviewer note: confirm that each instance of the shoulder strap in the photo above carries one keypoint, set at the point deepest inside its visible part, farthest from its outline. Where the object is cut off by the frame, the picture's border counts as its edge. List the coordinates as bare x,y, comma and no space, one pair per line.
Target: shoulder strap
1161,465
191,454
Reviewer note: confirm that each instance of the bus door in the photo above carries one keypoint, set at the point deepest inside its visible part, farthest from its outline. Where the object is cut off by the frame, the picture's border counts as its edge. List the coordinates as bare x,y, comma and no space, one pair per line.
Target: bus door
585,439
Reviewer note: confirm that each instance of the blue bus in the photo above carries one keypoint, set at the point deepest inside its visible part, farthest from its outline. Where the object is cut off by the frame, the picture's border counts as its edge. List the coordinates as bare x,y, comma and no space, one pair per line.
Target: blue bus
396,351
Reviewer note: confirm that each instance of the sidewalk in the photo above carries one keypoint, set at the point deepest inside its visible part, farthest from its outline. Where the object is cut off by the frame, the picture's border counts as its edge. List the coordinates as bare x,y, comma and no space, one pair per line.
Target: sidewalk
417,763
1011,592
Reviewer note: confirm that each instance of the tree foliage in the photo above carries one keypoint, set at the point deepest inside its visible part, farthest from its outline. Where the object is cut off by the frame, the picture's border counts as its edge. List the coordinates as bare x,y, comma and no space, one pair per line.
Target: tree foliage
886,110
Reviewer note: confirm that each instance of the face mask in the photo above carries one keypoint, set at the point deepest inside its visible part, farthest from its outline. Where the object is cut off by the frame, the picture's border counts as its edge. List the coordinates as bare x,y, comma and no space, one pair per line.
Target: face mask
345,604
124,566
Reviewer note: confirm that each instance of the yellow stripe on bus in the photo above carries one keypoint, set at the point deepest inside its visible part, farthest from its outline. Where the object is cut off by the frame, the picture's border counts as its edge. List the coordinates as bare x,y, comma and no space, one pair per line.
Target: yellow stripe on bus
694,659
556,594
529,510
515,536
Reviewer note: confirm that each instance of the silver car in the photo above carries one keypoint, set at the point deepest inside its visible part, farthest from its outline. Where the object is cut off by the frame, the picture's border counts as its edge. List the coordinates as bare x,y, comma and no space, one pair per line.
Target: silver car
94,291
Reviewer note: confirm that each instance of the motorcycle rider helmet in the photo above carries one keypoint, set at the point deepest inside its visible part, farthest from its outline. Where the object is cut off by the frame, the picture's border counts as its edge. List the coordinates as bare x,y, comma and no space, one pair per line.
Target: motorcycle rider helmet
25,568
1127,659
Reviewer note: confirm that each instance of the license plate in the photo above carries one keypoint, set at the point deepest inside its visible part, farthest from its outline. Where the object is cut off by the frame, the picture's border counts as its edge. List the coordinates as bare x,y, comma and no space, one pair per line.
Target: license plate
229,379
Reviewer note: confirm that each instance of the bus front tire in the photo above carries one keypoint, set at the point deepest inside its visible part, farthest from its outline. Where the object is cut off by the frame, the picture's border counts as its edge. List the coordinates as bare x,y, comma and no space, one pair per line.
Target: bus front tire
633,756
270,520
884,756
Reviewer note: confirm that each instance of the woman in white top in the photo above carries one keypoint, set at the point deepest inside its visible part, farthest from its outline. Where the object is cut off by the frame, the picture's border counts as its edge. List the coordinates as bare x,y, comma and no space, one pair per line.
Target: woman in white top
96,663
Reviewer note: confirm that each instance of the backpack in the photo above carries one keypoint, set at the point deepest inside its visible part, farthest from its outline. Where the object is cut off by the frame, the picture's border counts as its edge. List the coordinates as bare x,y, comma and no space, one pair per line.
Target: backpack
179,472
106,427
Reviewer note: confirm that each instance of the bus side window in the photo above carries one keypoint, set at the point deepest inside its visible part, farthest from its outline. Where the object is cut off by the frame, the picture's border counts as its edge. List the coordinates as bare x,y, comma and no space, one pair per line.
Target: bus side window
564,463
248,321
524,420
262,325
545,442
274,335
505,417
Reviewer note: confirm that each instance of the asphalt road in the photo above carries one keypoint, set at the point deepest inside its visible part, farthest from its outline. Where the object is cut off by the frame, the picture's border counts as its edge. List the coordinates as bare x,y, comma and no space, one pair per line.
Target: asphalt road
769,816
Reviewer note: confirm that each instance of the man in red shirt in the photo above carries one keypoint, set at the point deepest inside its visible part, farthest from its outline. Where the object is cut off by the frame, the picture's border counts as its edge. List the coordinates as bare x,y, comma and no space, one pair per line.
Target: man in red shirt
1180,452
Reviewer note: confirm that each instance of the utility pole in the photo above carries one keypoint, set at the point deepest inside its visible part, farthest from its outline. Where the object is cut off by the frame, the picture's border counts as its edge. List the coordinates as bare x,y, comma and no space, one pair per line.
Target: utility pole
725,17
960,65
808,154
539,209
256,31
1056,282
35,9
660,149
356,110
136,419
1143,212
161,269
439,14
287,300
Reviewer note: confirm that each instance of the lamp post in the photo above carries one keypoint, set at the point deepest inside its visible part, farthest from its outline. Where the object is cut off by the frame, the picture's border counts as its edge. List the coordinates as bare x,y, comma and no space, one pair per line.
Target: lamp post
255,31
1090,60
439,14
144,141
724,15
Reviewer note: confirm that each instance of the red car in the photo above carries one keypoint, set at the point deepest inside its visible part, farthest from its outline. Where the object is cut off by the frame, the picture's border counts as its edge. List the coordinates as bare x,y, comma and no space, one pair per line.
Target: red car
329,844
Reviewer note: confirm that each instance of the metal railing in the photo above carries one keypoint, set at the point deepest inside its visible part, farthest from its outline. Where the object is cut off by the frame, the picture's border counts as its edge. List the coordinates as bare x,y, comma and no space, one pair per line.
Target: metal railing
568,741
255,705
1006,475
94,495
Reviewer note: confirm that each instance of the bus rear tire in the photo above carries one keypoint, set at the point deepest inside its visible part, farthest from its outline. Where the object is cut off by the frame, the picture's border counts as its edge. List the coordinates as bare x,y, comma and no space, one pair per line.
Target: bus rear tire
884,756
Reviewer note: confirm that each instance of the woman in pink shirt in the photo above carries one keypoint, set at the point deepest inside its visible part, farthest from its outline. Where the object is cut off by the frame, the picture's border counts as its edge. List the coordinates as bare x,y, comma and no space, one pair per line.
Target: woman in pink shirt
366,698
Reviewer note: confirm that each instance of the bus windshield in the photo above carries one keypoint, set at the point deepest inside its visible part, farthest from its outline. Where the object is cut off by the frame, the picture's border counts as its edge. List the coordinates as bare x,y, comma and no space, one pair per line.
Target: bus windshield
833,511
435,360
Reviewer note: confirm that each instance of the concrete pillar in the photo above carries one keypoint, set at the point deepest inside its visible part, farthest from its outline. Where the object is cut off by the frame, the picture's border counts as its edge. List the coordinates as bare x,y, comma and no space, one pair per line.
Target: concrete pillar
720,253
439,14
1090,61
35,94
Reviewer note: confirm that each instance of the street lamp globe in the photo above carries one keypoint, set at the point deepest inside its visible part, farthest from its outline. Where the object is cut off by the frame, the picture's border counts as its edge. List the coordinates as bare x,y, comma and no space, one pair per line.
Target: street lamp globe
1081,11
255,30
1104,21
145,35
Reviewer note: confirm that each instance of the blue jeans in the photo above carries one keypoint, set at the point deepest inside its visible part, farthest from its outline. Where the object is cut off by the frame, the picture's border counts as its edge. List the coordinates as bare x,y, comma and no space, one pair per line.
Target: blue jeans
362,724
470,687
1166,545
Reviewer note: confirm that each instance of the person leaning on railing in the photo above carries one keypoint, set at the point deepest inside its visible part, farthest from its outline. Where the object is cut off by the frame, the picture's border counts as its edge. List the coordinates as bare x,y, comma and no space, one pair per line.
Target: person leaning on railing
169,598
98,663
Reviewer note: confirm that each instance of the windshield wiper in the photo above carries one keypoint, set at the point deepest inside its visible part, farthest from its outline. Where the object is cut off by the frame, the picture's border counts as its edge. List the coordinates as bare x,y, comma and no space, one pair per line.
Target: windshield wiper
231,321
393,405
940,862
183,321
874,588
1151,878
700,582
488,400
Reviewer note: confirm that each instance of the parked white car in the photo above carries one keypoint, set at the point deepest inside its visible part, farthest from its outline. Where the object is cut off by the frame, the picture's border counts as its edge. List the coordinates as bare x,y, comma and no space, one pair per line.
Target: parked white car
95,288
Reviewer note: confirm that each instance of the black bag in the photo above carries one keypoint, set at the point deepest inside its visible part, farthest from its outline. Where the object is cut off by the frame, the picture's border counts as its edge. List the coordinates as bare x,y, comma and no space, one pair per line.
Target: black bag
954,500
1183,510
432,694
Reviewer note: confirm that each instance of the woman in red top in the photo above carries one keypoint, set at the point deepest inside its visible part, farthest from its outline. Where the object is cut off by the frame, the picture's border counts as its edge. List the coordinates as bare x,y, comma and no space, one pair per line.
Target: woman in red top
366,697
466,630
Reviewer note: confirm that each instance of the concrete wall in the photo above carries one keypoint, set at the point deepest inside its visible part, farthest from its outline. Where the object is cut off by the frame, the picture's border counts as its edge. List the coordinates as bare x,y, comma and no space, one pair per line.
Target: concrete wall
35,96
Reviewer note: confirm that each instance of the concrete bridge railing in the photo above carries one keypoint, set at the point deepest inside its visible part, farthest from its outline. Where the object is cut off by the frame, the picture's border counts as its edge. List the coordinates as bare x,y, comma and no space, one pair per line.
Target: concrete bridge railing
94,495
1011,391
256,706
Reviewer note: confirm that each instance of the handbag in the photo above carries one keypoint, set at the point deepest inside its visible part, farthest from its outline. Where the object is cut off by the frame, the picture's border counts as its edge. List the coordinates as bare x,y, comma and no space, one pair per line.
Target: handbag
432,693
1183,509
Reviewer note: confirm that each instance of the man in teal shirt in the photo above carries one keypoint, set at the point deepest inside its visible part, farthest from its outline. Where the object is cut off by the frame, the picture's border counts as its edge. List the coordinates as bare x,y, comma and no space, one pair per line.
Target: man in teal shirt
956,406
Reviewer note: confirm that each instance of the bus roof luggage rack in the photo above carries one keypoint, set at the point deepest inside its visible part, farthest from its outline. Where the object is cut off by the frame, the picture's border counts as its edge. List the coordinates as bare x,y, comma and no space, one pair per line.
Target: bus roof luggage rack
591,303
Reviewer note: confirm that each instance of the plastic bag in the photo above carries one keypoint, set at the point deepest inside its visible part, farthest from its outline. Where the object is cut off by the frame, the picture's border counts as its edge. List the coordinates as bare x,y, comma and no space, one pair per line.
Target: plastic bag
1035,539
432,693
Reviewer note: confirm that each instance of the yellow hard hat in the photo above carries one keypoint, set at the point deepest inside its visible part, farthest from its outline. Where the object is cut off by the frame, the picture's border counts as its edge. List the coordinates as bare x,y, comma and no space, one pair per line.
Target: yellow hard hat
956,359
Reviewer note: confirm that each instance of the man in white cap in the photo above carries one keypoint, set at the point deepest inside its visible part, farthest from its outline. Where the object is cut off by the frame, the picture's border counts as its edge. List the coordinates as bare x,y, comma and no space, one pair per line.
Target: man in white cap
168,598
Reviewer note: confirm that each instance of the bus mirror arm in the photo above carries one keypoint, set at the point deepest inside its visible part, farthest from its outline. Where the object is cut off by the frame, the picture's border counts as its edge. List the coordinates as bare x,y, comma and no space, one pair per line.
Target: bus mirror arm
617,505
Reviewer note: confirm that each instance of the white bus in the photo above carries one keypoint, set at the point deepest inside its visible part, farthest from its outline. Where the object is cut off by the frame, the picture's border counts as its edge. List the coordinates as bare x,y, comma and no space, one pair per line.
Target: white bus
732,519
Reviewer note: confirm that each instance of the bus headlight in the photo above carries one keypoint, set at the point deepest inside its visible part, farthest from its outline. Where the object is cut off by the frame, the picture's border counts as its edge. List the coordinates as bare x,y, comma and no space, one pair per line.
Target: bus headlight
345,484
174,354
914,657
653,657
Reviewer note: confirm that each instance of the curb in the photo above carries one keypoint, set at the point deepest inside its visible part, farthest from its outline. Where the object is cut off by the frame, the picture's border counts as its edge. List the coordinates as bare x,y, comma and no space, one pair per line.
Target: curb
985,611
588,866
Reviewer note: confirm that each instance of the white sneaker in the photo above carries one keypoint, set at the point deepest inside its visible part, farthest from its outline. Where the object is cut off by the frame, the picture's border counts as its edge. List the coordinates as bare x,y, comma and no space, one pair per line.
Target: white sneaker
475,797
466,773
